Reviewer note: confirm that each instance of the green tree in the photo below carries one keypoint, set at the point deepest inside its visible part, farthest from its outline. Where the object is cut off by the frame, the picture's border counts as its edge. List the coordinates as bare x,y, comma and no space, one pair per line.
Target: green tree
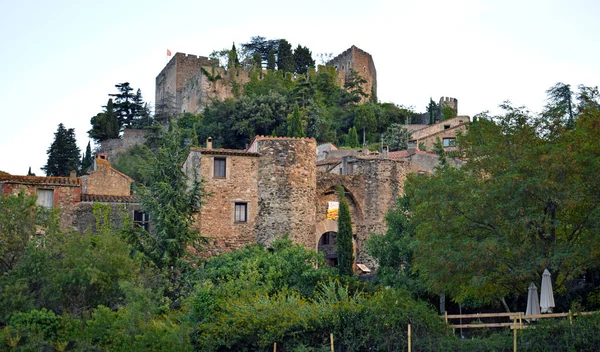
285,57
295,128
303,60
432,111
19,219
257,61
394,250
170,204
352,138
438,148
233,60
354,88
522,203
560,104
63,154
105,125
271,60
128,107
87,159
29,173
364,119
345,247
396,137
447,112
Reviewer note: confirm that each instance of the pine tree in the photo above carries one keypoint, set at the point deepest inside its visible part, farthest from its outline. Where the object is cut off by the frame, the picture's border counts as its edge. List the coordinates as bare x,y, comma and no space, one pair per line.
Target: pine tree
295,128
105,125
285,57
432,110
271,60
170,202
303,60
86,160
63,154
345,248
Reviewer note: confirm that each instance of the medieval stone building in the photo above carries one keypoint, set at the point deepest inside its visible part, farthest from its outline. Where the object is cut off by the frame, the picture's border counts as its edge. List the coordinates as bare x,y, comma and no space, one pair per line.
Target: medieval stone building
355,59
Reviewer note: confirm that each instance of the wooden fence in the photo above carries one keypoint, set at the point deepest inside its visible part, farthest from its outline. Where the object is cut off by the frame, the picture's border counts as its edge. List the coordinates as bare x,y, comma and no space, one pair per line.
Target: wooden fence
515,320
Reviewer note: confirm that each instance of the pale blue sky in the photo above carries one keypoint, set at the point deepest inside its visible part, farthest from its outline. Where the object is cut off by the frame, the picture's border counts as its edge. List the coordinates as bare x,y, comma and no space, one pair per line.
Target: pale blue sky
60,59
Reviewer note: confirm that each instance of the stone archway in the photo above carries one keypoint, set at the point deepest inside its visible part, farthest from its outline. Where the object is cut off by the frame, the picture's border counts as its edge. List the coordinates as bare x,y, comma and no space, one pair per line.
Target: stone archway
327,245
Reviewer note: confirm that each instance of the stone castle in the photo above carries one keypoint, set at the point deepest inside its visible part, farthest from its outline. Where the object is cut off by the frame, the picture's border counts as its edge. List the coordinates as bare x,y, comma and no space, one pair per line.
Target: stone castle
188,83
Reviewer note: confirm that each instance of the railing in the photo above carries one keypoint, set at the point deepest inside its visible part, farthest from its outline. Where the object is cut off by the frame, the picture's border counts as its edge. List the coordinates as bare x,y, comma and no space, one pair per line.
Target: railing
515,319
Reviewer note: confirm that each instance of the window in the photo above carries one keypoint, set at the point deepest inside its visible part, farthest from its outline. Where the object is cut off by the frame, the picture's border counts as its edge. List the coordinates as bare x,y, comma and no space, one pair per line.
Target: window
449,142
141,219
220,167
45,198
241,212
446,127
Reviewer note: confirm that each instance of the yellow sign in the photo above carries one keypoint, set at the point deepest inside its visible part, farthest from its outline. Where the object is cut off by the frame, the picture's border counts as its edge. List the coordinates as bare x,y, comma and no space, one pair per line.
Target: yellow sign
332,210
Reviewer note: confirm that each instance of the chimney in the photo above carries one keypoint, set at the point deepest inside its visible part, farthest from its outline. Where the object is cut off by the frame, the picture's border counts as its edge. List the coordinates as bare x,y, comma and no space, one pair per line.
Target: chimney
73,174
209,143
102,156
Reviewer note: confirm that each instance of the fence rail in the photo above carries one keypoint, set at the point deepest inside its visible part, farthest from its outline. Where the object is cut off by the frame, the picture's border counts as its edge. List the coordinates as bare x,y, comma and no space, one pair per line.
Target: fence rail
515,318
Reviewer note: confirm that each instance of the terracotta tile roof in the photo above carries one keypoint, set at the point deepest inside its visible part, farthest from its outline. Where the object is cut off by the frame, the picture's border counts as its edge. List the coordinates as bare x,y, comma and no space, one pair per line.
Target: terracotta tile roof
41,180
269,138
400,154
221,151
96,198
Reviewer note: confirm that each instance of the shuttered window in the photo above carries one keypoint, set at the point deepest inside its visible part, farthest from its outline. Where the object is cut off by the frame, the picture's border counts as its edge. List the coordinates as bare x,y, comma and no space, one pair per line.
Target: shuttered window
241,212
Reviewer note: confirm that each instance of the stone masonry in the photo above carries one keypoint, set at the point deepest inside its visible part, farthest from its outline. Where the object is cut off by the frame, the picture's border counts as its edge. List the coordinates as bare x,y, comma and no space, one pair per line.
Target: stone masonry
359,61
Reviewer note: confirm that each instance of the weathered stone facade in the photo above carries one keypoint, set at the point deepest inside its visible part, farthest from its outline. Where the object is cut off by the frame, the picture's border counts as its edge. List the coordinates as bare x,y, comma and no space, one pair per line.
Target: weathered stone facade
446,131
176,74
200,90
105,180
359,61
66,192
286,189
131,137
216,219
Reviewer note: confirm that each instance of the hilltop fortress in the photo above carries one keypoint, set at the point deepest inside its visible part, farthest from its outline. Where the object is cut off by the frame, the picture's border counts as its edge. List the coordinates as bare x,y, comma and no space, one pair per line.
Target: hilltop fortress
188,83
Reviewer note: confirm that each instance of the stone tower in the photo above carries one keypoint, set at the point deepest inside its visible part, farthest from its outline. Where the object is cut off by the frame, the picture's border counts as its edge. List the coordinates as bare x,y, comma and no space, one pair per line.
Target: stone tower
173,78
287,183
359,61
449,102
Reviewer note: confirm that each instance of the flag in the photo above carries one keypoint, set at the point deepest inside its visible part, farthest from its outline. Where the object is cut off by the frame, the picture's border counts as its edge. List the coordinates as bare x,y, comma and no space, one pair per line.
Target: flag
168,52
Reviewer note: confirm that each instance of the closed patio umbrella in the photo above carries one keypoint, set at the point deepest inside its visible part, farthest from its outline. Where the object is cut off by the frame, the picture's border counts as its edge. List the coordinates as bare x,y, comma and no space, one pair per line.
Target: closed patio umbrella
533,303
546,295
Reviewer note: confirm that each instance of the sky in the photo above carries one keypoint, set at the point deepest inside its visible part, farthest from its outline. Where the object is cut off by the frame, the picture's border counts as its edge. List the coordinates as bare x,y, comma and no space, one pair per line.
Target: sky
61,59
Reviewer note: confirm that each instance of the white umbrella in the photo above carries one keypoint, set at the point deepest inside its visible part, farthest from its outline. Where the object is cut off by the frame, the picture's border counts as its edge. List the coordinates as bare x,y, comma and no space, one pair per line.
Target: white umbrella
546,295
533,303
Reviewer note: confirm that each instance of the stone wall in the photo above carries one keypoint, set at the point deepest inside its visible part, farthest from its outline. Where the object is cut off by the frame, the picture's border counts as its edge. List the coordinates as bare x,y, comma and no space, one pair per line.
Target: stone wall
66,198
199,91
286,190
438,127
84,219
216,218
105,180
429,141
131,137
177,73
359,61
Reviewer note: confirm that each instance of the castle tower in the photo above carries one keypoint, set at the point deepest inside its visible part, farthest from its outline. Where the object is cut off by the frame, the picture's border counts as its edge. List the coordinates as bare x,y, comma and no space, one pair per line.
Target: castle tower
449,102
359,61
173,78
287,182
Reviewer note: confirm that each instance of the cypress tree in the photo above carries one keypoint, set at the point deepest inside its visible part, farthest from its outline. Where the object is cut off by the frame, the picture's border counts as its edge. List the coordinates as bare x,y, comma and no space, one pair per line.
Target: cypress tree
295,128
352,138
271,60
285,57
29,173
63,154
86,160
345,248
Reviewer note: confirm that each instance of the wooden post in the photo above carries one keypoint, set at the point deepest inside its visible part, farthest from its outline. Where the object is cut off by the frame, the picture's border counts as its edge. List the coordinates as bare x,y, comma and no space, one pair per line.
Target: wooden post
409,336
520,321
446,315
515,333
275,347
570,317
331,339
